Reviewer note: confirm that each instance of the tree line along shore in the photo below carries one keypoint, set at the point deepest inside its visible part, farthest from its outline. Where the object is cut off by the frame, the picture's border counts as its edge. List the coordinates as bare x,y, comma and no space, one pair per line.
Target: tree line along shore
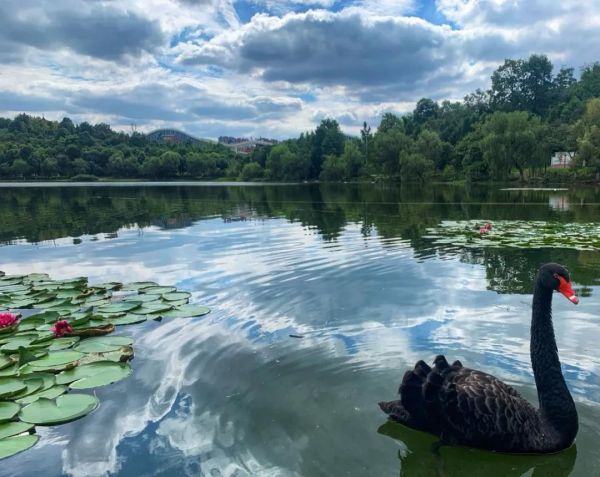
509,132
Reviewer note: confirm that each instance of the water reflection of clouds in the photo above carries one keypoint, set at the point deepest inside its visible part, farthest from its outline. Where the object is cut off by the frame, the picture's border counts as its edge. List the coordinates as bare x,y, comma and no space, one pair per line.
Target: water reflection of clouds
233,392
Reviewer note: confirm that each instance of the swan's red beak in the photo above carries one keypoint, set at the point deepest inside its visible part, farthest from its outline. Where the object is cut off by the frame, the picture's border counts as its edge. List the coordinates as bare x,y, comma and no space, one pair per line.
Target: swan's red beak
566,290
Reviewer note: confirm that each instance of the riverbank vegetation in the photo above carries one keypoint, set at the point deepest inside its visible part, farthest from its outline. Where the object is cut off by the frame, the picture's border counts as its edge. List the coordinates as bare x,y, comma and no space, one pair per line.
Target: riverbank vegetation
508,132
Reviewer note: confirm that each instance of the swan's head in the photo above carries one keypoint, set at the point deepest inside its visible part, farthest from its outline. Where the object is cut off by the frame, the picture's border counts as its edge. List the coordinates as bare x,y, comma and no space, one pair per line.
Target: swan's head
556,277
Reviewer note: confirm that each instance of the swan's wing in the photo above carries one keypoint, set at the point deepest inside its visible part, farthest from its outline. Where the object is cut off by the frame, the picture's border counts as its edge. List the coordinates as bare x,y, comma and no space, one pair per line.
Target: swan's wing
479,408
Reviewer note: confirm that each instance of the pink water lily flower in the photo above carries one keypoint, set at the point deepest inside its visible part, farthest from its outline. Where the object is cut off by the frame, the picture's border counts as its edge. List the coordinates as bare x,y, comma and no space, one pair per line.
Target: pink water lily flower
61,328
7,319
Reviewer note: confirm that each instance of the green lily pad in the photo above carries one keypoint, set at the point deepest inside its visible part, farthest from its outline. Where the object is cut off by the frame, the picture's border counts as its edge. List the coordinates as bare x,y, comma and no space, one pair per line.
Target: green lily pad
30,324
108,286
143,298
63,343
63,409
33,385
176,296
128,319
51,393
48,379
101,373
5,361
8,410
177,303
10,386
103,344
9,429
139,285
187,311
9,371
56,360
158,290
153,307
10,446
119,307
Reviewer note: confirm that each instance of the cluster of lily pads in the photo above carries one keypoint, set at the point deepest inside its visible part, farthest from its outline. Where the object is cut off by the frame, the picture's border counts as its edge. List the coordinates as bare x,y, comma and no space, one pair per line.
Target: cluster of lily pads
55,341
517,234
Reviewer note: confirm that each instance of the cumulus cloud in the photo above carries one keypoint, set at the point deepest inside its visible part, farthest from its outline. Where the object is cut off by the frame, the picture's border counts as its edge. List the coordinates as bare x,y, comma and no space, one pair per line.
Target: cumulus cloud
196,65
93,29
380,55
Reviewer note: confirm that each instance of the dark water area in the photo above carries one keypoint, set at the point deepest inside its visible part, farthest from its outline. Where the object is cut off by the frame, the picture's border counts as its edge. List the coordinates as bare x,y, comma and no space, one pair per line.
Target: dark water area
351,270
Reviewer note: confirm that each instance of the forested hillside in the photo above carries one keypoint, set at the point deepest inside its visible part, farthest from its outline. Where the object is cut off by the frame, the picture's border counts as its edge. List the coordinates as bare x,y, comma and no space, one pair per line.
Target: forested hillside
509,131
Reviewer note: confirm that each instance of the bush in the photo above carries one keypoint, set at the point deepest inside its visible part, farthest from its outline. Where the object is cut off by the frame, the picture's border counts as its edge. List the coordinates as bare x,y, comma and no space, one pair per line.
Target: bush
251,171
559,175
84,178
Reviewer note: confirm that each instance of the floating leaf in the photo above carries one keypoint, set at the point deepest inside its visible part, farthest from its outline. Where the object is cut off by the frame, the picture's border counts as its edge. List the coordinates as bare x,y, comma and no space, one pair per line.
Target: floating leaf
10,386
48,379
109,286
8,410
32,385
63,343
100,373
9,429
128,319
187,311
139,285
103,344
119,307
51,393
158,290
56,360
152,307
10,371
143,298
176,296
10,446
5,361
65,408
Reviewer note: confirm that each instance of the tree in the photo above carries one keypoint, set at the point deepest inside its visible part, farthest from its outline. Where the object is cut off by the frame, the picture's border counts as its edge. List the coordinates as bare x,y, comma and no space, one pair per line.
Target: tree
509,142
334,169
389,121
328,139
251,171
414,167
588,144
426,109
366,138
525,85
388,146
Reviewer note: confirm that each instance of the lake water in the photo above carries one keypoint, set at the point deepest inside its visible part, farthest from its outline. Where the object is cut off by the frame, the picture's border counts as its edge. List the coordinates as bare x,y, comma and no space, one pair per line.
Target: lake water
350,269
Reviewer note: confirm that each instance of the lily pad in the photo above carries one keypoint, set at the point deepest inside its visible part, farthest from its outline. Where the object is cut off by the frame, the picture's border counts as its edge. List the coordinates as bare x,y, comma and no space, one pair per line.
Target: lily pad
10,386
33,385
153,307
158,290
119,307
10,446
13,428
100,373
187,311
176,296
128,319
8,410
65,408
143,298
103,344
139,285
51,393
63,343
5,361
56,360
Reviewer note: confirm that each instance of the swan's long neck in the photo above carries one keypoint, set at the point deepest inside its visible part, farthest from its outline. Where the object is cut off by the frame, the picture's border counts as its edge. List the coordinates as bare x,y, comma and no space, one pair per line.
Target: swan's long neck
557,408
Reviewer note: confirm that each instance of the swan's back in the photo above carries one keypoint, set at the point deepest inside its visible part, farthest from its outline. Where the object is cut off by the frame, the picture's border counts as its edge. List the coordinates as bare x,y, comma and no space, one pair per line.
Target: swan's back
466,407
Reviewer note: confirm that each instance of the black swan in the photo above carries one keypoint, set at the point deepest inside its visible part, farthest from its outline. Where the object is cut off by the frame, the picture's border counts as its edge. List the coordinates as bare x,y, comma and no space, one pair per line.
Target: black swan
471,408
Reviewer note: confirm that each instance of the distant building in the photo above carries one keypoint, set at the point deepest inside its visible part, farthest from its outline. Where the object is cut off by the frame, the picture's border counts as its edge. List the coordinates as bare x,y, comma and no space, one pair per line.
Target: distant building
562,160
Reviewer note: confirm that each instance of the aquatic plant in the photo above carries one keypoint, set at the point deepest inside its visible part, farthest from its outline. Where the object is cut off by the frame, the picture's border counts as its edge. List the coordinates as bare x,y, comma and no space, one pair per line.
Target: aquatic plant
56,337
516,234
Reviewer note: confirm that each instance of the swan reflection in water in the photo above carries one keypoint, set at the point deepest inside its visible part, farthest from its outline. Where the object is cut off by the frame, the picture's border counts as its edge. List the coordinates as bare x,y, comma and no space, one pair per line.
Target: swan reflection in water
419,459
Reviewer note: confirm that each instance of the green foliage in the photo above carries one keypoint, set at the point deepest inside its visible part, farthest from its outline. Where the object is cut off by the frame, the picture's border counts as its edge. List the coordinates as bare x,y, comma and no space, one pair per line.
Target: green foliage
35,148
251,171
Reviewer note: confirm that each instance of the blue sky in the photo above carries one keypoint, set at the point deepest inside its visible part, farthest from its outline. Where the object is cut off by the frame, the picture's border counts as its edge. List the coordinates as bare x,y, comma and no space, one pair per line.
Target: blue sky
266,67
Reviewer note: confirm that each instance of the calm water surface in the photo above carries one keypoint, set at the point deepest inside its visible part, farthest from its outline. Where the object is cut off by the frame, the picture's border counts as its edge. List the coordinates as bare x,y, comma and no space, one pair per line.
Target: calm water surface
346,267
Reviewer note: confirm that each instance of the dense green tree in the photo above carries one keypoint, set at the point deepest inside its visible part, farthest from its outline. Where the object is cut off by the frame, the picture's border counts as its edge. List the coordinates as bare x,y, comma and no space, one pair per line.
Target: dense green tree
588,144
251,171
